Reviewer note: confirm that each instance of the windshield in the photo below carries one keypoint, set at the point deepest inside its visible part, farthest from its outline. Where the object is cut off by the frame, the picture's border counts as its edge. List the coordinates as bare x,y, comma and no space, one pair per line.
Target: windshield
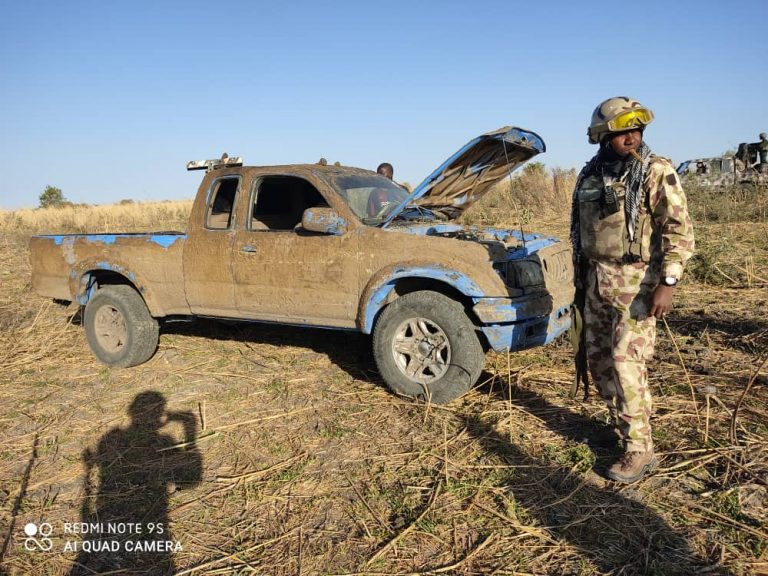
371,197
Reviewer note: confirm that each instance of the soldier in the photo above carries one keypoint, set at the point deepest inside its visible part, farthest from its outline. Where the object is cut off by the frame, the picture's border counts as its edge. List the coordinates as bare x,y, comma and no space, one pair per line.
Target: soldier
762,148
632,237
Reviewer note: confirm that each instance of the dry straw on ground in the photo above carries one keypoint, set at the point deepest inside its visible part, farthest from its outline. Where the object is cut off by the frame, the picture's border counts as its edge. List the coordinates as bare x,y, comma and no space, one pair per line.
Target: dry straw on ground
310,466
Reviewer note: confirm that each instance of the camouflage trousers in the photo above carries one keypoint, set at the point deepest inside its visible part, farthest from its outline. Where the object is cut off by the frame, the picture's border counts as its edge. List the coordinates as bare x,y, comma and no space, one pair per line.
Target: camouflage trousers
620,338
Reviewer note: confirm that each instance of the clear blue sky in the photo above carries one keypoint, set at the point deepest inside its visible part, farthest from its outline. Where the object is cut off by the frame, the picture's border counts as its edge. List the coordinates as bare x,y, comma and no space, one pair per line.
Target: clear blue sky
108,100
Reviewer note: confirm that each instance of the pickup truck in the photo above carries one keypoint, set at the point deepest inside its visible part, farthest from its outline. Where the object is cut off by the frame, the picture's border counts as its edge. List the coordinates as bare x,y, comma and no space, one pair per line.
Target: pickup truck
333,247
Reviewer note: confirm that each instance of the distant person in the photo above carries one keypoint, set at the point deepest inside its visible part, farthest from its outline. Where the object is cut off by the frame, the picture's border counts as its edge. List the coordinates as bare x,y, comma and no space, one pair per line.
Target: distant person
386,170
382,198
762,149
632,236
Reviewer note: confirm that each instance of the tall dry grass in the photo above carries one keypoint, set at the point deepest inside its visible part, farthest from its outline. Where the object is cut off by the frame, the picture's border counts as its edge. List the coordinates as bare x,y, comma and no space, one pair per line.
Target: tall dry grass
724,204
535,194
124,217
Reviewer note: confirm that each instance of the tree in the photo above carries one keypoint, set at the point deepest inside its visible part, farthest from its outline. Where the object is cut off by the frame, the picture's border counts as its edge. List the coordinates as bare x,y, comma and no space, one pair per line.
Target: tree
52,197
534,168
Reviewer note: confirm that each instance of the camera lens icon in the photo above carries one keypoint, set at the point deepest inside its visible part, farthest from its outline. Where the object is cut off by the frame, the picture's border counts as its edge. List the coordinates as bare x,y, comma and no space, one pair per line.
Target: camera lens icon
43,543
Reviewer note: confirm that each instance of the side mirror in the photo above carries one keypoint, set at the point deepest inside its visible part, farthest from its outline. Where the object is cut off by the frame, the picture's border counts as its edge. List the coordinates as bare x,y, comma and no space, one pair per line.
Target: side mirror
324,220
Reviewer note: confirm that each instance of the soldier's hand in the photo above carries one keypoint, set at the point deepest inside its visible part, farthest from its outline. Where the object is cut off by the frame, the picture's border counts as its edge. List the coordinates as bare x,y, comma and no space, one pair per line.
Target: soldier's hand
662,300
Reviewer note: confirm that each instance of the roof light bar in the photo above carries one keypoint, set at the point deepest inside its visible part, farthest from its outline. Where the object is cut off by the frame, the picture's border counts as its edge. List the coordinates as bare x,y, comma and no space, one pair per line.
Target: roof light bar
209,165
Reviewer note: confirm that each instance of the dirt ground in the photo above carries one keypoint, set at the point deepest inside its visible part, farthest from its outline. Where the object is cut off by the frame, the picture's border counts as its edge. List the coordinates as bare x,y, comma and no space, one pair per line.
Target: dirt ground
277,450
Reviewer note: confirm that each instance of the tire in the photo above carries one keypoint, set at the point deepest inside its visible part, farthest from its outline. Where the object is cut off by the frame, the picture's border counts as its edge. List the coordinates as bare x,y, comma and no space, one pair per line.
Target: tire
119,328
425,347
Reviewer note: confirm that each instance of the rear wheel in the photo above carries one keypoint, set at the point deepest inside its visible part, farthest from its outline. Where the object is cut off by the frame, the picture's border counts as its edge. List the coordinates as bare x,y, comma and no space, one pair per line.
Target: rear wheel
425,346
119,328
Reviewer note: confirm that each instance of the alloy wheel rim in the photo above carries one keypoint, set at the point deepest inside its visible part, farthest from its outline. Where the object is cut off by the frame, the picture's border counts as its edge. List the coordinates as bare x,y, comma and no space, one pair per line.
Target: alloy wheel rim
110,329
421,350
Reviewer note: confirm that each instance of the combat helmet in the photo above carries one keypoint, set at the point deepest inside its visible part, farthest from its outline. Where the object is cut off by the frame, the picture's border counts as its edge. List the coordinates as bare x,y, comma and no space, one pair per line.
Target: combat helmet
616,115
763,136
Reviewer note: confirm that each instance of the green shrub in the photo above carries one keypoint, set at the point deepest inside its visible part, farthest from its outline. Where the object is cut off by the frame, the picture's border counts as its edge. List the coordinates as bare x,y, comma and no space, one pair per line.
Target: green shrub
52,197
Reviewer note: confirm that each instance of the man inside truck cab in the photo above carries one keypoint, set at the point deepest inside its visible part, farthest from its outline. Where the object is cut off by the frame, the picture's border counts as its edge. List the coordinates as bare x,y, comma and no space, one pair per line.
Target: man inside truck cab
386,169
381,198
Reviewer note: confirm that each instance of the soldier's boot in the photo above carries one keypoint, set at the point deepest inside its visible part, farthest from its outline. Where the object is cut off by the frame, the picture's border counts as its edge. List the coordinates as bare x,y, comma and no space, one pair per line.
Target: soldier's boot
632,466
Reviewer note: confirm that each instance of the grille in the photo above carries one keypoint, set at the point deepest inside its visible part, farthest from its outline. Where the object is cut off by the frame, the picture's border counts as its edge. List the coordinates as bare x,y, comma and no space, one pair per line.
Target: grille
558,267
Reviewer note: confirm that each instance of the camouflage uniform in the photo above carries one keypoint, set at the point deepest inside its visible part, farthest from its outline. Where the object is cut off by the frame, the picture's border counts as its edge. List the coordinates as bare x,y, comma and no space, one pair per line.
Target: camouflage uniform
620,281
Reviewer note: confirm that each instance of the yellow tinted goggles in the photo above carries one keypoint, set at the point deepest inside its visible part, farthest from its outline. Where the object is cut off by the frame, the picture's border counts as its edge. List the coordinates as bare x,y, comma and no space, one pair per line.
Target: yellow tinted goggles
633,119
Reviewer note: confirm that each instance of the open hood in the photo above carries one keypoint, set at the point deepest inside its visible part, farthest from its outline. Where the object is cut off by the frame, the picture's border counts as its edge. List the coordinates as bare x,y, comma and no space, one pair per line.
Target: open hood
463,179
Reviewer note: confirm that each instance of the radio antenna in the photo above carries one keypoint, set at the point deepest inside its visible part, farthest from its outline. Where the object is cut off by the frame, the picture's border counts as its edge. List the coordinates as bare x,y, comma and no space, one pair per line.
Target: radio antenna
509,173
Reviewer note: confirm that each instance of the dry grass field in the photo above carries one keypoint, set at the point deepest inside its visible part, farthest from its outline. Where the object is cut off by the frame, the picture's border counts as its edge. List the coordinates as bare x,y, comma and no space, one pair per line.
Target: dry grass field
302,462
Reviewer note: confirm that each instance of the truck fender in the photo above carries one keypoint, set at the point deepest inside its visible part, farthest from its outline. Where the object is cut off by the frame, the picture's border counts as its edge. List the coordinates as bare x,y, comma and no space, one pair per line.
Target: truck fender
377,293
82,285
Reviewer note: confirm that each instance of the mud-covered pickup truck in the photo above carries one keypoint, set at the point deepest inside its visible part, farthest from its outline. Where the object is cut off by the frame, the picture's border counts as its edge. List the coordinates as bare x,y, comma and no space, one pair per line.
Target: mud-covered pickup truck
333,247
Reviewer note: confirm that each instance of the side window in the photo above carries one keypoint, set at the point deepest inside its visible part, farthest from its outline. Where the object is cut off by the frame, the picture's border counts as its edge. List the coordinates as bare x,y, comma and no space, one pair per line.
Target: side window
221,203
279,202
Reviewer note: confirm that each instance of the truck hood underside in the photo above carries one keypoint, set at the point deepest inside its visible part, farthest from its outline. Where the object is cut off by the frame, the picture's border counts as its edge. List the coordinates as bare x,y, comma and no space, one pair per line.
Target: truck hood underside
469,173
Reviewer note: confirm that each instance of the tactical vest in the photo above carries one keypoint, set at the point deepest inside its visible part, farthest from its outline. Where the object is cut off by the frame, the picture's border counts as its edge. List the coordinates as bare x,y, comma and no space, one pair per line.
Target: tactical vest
602,225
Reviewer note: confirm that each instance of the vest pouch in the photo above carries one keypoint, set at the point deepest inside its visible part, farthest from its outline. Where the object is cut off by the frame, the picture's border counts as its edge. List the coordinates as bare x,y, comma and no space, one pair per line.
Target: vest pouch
602,235
641,247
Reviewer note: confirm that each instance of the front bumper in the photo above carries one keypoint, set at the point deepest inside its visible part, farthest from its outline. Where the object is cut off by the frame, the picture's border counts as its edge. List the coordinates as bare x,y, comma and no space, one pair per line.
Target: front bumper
516,325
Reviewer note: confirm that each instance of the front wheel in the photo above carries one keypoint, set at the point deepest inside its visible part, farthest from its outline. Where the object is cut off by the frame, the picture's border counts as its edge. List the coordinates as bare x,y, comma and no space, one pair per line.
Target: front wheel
425,346
119,328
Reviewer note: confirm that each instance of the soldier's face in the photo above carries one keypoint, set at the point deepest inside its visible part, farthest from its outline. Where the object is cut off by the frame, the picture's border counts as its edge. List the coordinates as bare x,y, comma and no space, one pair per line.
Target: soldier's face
626,141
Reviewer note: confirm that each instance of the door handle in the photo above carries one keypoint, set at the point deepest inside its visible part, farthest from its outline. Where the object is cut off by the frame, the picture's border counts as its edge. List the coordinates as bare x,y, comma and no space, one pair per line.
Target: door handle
248,249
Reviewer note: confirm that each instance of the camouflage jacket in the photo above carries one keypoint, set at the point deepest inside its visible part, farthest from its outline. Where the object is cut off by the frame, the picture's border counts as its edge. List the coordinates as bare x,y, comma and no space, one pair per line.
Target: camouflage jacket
664,234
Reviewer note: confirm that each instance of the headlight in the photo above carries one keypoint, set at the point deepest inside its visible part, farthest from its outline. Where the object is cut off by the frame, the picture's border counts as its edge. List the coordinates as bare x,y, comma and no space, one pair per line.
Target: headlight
524,273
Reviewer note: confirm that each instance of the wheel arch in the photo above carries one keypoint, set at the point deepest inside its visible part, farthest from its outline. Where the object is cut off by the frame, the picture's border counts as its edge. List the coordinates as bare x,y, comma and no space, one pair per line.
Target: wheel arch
395,282
84,283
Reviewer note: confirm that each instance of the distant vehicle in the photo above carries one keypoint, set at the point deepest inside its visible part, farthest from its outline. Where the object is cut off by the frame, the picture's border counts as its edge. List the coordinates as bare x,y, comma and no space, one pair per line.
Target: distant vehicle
721,171
334,247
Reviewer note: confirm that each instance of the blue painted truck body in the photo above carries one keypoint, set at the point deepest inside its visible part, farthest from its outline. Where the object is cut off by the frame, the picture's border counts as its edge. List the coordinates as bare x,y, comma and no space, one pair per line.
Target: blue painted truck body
509,322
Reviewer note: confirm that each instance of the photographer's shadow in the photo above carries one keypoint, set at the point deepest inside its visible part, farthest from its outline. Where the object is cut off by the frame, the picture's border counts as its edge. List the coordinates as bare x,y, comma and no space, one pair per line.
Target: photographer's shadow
137,468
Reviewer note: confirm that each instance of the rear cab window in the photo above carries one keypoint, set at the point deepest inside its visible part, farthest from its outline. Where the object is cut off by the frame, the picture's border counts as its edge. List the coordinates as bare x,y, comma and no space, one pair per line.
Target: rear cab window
219,213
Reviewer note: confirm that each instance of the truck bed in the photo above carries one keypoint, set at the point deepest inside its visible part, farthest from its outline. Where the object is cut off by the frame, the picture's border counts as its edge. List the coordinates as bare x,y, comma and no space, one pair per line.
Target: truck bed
65,266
